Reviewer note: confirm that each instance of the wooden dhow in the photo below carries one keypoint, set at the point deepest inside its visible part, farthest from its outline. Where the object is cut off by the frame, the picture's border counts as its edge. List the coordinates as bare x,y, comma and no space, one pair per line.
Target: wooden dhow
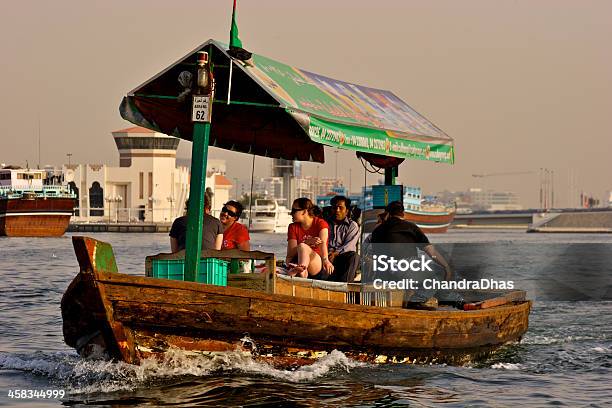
285,321
431,220
29,208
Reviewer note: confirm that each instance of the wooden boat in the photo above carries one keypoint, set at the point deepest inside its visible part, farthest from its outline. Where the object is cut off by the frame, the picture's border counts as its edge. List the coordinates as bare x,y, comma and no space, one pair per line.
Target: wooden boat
30,209
431,220
287,322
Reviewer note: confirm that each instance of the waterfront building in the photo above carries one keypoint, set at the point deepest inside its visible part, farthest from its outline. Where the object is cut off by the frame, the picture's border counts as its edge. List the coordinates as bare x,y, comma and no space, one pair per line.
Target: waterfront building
478,199
147,186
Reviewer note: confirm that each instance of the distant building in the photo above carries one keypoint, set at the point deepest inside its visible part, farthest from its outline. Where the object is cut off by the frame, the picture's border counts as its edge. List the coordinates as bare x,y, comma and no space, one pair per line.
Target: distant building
282,167
477,199
270,186
147,186
287,183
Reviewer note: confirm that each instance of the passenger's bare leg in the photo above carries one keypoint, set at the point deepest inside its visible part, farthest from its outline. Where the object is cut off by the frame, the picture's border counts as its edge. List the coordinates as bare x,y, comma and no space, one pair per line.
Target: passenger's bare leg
301,268
309,262
310,259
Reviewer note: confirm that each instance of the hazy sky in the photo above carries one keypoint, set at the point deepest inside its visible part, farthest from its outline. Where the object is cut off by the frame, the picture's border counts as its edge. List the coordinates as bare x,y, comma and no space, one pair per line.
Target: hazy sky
519,85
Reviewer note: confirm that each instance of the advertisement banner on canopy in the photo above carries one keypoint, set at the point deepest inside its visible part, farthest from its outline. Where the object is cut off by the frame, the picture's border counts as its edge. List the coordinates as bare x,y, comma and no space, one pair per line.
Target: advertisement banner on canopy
376,141
259,102
340,101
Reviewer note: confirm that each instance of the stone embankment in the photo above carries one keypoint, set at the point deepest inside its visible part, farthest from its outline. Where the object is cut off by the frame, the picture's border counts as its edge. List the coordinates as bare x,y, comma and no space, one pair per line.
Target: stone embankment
583,222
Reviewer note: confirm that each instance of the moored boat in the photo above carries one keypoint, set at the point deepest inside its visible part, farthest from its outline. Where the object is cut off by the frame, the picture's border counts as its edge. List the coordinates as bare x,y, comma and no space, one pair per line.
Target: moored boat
286,321
29,208
431,215
267,216
434,219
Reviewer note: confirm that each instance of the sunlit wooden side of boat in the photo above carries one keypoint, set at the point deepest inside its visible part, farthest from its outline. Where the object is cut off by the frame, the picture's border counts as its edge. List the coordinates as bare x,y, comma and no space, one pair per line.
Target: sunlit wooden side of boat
130,318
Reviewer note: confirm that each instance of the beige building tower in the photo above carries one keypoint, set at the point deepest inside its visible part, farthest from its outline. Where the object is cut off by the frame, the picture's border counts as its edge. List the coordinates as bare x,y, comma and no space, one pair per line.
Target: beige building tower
147,175
147,186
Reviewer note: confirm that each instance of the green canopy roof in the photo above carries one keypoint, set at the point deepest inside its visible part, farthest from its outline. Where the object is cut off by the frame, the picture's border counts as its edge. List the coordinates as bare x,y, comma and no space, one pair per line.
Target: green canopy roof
277,110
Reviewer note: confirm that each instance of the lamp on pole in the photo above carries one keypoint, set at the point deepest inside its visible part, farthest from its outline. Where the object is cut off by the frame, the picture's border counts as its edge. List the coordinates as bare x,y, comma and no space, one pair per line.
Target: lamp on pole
117,200
108,200
171,201
69,156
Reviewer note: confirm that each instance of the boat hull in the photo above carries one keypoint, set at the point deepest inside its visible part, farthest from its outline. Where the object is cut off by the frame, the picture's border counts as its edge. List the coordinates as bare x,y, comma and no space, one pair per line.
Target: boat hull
130,318
37,217
430,222
262,225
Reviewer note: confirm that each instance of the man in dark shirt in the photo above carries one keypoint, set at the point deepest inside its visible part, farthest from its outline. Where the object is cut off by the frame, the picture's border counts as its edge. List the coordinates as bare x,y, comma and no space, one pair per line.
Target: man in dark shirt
395,229
212,230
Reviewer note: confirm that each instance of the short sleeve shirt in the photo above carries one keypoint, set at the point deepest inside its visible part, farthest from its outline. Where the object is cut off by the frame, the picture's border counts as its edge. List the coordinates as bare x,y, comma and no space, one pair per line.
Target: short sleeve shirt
396,231
210,229
298,233
235,235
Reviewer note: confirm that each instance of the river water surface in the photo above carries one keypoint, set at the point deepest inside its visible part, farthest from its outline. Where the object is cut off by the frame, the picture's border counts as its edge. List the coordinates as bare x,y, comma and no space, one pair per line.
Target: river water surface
565,359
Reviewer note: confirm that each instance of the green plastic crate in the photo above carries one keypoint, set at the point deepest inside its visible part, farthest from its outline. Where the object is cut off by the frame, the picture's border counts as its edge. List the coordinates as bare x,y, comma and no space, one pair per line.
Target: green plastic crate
213,271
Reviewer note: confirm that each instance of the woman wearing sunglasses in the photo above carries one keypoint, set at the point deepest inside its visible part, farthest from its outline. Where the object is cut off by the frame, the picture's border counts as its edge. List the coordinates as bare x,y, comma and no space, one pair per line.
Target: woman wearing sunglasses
307,242
235,235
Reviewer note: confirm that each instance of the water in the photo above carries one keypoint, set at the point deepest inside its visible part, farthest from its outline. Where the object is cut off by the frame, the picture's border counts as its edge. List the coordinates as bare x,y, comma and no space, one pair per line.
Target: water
565,358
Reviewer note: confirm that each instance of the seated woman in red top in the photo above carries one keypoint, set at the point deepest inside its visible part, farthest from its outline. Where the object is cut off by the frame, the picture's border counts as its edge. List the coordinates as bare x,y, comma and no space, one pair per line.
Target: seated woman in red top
235,235
307,241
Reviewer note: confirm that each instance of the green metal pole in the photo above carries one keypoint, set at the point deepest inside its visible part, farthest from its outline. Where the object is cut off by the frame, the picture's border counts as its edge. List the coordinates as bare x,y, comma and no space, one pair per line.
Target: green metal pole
390,175
197,188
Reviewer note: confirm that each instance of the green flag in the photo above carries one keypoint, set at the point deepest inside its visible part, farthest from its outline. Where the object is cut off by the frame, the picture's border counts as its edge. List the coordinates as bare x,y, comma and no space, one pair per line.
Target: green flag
234,39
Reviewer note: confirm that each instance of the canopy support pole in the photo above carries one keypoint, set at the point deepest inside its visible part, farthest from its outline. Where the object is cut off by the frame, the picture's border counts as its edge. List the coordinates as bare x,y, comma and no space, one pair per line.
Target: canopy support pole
390,175
229,84
197,188
251,194
197,184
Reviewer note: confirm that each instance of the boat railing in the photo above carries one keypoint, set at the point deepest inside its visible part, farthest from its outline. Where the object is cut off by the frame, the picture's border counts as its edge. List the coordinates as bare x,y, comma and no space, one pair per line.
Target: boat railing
367,295
349,293
270,282
264,281
46,191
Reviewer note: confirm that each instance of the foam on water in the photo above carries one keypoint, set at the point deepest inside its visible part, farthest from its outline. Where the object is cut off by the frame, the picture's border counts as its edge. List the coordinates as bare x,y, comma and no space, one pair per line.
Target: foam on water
507,366
546,340
83,376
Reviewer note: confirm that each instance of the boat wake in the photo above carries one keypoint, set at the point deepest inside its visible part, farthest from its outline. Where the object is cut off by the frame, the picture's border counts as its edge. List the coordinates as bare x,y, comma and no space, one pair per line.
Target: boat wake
83,376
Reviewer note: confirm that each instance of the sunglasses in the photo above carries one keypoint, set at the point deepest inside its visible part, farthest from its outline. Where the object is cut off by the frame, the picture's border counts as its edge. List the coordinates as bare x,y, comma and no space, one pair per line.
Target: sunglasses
229,212
294,210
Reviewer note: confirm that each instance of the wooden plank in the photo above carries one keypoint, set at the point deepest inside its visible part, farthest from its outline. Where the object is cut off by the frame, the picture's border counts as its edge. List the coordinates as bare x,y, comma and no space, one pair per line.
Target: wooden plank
516,296
213,253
